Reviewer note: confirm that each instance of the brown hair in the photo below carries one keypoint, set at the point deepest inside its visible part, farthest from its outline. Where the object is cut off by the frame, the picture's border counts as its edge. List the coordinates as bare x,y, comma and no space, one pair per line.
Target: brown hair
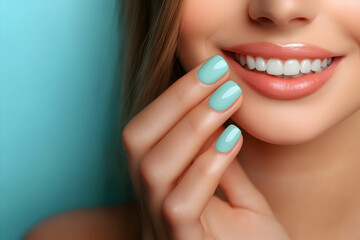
151,33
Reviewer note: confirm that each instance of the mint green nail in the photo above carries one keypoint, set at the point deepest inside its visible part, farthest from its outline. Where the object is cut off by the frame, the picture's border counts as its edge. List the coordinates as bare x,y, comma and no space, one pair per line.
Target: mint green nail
228,139
213,70
225,96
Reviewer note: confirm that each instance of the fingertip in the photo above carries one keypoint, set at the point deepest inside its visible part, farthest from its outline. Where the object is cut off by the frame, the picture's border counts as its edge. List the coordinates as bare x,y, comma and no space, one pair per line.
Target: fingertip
228,139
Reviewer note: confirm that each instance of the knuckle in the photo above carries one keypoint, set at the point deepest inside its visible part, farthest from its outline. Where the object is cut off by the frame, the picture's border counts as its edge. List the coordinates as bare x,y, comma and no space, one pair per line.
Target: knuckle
128,136
175,212
150,173
193,126
132,140
246,219
180,96
206,170
145,173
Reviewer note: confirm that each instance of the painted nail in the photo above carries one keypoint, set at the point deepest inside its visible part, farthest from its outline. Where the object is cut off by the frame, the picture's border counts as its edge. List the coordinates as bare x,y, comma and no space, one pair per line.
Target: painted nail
225,96
228,139
213,70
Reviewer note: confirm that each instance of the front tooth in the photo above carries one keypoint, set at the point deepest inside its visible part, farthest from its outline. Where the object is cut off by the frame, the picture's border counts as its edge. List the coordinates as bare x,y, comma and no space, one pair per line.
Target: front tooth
242,60
291,67
250,62
275,67
305,66
316,65
260,64
324,63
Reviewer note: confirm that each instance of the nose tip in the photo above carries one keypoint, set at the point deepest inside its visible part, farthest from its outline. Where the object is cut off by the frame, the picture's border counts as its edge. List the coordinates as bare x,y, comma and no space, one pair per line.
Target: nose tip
282,12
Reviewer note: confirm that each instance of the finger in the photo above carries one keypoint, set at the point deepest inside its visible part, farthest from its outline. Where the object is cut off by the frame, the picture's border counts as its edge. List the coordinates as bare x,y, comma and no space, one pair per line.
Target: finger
174,153
143,131
185,204
208,143
241,192
160,168
153,122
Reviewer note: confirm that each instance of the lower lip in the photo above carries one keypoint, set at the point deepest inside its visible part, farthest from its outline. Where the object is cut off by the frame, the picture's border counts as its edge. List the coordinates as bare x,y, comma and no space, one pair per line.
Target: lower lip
286,89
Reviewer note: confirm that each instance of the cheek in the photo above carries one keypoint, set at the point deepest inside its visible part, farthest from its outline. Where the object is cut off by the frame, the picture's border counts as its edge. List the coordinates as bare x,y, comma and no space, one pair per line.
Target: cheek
202,21
194,22
347,15
201,18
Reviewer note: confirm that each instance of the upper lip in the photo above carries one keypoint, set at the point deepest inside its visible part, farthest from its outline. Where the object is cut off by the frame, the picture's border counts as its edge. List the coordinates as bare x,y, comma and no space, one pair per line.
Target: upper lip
280,51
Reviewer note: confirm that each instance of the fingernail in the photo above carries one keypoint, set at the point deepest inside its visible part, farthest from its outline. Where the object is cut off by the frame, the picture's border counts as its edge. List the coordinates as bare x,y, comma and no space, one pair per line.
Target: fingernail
213,70
228,139
225,96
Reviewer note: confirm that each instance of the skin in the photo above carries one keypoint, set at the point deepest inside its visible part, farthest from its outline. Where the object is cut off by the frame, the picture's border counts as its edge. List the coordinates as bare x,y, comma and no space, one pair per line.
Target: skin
308,166
177,193
294,176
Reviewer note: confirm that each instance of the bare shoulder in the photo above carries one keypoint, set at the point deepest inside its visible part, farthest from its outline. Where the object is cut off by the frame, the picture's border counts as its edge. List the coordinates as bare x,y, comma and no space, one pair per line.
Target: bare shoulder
106,223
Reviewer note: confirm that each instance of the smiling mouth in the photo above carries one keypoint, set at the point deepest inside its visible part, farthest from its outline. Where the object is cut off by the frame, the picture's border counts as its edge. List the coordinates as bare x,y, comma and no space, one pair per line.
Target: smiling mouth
282,68
284,72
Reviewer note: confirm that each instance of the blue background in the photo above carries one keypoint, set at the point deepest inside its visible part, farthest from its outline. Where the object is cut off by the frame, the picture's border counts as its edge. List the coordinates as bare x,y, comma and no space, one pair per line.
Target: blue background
60,143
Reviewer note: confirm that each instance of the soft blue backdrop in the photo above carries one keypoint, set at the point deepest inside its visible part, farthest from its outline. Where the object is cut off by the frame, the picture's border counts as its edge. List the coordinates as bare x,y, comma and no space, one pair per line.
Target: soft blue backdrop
60,145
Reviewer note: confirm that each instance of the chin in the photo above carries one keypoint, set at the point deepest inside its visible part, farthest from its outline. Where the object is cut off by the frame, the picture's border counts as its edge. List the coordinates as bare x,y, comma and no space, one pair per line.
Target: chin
280,131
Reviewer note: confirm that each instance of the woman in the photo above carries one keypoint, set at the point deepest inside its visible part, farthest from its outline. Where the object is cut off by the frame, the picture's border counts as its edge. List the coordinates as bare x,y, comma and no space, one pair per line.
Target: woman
285,72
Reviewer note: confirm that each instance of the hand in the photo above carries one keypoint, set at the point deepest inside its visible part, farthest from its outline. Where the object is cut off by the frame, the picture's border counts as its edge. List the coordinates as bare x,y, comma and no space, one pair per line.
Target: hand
176,167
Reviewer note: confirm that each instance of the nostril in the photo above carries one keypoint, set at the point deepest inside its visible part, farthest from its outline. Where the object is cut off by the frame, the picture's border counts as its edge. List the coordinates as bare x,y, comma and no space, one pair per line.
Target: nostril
280,13
264,20
301,19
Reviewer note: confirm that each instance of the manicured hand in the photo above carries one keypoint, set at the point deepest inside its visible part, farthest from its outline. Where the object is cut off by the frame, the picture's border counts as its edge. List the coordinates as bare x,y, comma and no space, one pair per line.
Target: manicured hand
179,153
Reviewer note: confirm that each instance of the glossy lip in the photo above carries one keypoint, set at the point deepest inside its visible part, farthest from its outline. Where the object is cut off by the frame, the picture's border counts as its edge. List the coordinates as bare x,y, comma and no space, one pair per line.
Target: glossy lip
278,88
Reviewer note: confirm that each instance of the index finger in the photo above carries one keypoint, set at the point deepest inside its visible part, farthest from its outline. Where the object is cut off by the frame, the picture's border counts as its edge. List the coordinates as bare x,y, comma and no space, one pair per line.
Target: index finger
153,122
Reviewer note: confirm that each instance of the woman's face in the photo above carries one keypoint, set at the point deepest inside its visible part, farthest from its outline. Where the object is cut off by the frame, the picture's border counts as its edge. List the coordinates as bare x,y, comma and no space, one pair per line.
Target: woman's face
277,110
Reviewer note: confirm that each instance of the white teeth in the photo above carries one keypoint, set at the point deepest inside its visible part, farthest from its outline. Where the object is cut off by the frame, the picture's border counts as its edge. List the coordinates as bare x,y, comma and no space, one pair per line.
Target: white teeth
324,63
305,66
291,67
260,64
275,67
250,62
316,65
286,69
